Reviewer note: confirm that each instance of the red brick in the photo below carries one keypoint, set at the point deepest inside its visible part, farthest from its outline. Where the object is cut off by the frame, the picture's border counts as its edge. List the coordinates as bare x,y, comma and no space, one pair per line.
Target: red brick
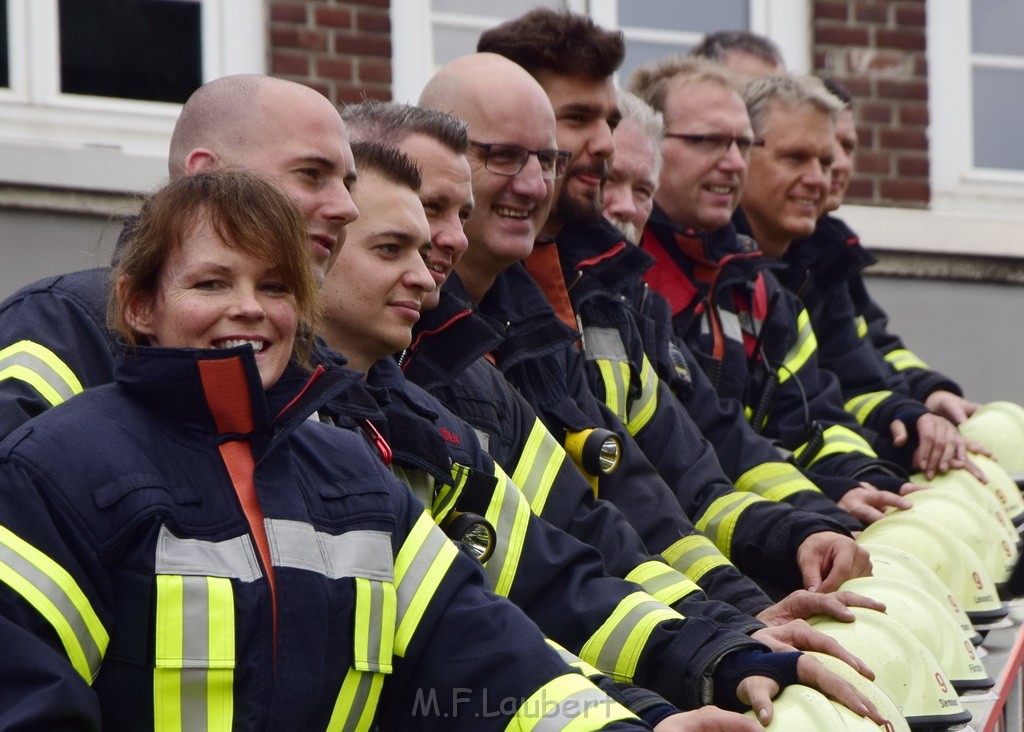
302,38
905,39
915,167
875,163
334,17
921,66
375,71
830,10
353,94
373,21
284,37
334,68
289,63
866,137
324,89
841,35
859,87
902,89
910,14
362,46
822,60
871,12
903,138
287,12
372,3
872,111
914,114
905,191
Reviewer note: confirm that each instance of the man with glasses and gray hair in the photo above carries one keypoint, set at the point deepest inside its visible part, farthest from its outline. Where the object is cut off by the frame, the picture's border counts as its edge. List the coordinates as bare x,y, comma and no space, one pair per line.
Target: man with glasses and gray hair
727,306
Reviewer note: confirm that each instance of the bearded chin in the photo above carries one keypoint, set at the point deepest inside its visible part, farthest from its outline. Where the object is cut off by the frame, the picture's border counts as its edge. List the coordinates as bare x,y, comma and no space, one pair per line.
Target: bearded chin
577,211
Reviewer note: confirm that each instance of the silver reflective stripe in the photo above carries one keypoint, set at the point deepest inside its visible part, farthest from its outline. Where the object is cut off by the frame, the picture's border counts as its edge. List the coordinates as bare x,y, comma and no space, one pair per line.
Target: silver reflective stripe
353,554
41,368
16,569
730,325
559,717
485,439
195,645
604,344
509,513
234,558
610,655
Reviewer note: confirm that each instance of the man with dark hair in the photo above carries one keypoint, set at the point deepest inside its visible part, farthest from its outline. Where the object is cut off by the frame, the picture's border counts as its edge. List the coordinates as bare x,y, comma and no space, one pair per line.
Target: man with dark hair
742,52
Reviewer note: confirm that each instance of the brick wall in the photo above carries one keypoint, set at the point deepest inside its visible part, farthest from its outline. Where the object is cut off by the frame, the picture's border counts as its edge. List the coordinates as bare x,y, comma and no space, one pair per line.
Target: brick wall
341,49
876,48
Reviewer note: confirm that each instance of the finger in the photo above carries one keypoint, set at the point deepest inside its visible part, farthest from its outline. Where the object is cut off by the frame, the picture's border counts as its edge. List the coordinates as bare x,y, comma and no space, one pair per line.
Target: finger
898,430
807,638
978,449
855,599
811,576
757,691
834,687
886,499
971,467
908,488
866,513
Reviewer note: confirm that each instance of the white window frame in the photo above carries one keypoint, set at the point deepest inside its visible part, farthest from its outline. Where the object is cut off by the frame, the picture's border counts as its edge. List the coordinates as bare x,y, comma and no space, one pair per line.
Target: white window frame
958,186
787,22
78,142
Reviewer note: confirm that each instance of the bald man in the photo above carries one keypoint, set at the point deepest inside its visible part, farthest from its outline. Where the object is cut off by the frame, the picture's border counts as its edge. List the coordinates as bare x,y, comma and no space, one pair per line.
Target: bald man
54,341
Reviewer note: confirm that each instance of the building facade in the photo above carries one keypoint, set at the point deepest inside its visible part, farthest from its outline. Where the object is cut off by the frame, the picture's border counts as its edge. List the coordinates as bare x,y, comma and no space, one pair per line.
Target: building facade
89,93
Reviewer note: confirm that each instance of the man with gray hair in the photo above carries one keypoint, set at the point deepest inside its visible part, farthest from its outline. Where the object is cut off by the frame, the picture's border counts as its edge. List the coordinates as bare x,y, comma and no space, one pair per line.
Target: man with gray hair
723,299
794,119
633,177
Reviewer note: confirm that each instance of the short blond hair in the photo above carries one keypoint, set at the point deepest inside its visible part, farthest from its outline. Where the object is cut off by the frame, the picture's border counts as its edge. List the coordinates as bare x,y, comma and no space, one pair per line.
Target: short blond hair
651,81
788,92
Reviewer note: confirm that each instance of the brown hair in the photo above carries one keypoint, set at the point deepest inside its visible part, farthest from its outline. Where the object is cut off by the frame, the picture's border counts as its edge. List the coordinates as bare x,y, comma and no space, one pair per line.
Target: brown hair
567,44
392,122
246,212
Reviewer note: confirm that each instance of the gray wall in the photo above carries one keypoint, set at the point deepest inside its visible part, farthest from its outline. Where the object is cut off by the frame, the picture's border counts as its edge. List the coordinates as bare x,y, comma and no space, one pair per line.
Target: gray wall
36,244
972,332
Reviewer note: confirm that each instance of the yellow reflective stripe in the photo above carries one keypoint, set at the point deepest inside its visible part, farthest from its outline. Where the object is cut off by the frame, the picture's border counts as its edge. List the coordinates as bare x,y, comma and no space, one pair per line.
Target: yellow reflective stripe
805,346
375,619
573,660
55,595
615,377
509,514
356,705
448,495
662,582
775,481
40,368
862,326
862,406
538,466
902,359
644,407
839,440
719,522
193,678
570,703
616,646
695,555
420,567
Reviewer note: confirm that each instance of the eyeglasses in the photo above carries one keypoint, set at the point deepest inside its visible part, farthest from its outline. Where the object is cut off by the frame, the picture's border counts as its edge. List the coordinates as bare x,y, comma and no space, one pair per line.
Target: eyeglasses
510,159
718,144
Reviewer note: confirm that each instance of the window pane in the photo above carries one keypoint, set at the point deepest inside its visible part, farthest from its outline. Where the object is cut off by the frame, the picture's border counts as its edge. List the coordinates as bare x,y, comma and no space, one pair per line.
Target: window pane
5,79
997,115
692,15
130,49
505,9
451,43
640,52
996,27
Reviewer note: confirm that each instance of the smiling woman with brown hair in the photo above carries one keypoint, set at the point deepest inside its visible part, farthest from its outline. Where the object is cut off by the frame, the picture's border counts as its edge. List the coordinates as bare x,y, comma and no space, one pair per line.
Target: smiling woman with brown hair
199,554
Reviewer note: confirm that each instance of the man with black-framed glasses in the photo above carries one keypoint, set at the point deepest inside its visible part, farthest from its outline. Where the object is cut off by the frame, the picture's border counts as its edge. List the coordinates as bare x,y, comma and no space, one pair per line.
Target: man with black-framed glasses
751,339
